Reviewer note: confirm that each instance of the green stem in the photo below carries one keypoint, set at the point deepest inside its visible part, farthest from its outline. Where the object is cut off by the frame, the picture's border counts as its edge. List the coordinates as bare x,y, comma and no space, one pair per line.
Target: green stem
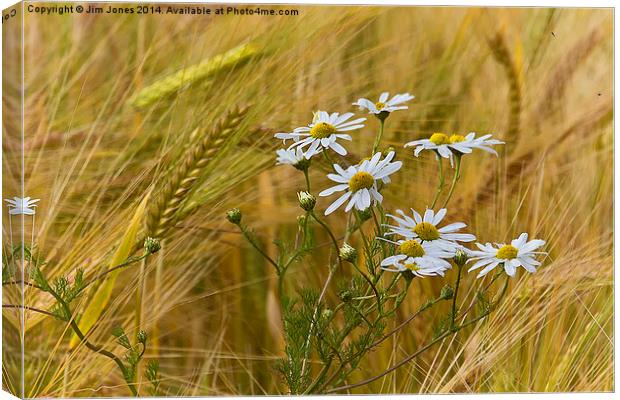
379,341
372,285
364,239
407,359
457,175
323,291
319,377
307,176
331,236
328,158
441,181
456,292
251,240
378,138
89,345
379,230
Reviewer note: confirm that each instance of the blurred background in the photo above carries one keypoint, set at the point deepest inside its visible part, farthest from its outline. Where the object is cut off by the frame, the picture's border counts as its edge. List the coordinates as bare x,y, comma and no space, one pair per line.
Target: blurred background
111,111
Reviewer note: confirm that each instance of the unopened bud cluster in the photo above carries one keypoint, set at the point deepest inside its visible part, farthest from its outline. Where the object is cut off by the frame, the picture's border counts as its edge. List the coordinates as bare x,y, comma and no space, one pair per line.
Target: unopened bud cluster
234,216
460,257
151,245
348,253
306,201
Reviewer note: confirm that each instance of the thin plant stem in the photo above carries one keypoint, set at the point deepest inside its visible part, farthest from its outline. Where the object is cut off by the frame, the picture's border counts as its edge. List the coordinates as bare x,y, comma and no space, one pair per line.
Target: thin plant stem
454,296
442,179
307,176
407,359
251,240
38,310
159,270
124,264
331,236
323,291
328,158
139,292
455,178
372,285
128,262
379,135
314,317
382,339
89,345
32,240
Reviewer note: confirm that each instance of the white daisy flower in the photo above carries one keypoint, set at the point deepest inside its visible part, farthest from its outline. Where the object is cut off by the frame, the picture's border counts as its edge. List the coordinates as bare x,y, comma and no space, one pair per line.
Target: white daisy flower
426,228
438,142
519,252
323,132
446,146
25,206
360,182
295,157
419,258
384,104
465,144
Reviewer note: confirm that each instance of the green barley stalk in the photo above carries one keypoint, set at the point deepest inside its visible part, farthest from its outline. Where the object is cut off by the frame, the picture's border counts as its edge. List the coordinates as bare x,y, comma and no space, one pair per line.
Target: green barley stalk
163,214
192,75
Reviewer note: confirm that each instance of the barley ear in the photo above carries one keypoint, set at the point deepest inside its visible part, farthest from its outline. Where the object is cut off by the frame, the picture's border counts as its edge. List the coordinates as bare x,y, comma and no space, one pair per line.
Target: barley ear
502,56
163,213
192,75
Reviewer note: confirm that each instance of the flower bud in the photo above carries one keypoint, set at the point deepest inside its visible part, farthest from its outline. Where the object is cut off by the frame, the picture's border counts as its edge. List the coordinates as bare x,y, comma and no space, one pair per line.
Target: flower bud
460,257
301,220
345,296
447,292
141,337
151,245
306,201
348,253
234,216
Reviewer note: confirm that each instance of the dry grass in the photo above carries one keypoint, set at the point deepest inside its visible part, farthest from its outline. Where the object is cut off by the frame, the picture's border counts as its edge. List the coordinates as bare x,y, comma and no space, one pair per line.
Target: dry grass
527,75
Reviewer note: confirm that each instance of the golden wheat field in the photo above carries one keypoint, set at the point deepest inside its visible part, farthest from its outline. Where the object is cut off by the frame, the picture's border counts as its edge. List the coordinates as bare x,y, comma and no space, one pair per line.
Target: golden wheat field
157,125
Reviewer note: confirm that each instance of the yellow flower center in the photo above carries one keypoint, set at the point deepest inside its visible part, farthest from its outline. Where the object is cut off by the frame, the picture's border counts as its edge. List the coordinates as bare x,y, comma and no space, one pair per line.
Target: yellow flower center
361,180
439,138
380,106
412,267
322,130
507,252
457,138
411,248
426,231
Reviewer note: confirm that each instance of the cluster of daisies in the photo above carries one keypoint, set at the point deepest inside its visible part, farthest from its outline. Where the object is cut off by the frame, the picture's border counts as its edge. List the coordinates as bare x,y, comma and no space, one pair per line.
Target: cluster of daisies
421,244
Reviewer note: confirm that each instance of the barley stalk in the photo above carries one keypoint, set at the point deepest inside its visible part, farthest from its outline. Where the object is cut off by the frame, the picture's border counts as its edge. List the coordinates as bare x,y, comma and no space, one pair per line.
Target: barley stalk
163,213
502,56
192,75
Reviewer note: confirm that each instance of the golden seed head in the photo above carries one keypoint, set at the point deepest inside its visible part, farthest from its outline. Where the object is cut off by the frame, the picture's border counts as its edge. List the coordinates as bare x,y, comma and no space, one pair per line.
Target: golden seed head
439,138
426,231
412,267
322,130
380,106
457,138
507,252
361,180
411,248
